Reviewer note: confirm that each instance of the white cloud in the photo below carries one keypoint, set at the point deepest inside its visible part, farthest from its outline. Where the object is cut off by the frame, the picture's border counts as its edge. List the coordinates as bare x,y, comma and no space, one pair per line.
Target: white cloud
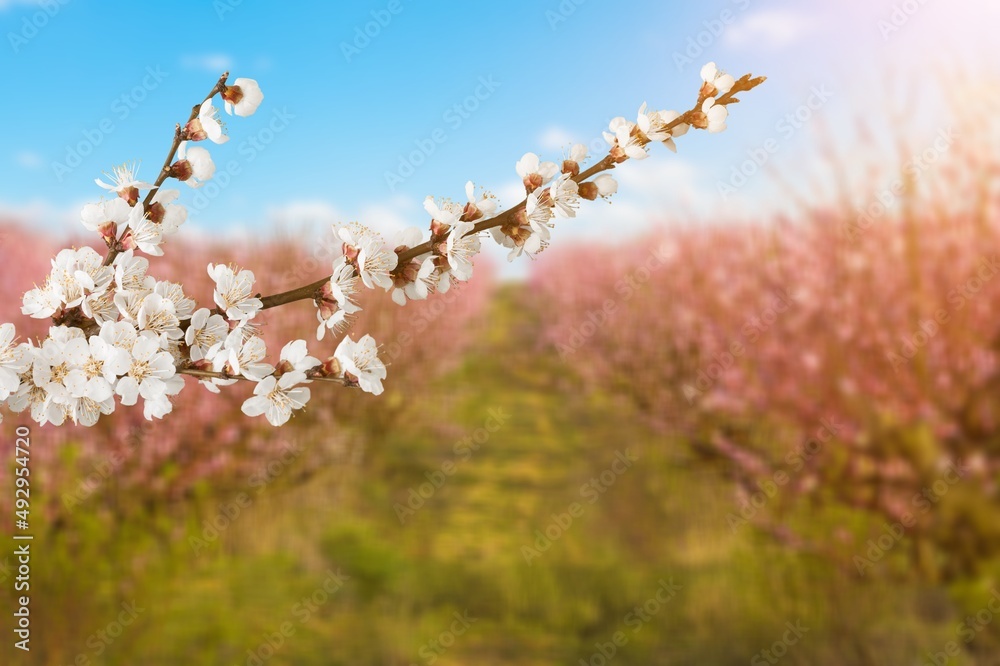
29,159
213,62
555,138
7,4
315,218
769,29
42,214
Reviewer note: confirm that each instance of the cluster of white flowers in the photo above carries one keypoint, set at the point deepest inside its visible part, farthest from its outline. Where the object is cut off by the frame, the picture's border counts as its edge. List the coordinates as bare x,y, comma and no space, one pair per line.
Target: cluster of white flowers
119,334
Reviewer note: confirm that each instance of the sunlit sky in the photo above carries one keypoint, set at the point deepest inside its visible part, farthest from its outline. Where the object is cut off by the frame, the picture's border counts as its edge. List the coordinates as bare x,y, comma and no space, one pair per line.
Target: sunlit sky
556,73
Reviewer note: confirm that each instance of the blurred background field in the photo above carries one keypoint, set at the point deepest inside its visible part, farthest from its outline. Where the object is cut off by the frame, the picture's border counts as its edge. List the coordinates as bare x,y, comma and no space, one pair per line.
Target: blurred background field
807,405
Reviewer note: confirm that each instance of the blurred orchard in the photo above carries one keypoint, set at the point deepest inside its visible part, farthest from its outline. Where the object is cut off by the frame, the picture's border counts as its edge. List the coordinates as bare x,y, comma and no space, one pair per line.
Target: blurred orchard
809,405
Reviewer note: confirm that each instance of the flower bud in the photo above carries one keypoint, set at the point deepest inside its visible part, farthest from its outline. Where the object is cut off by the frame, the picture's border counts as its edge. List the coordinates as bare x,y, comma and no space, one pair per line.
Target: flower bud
232,94
532,182
109,232
329,368
130,194
571,167
195,131
181,170
471,213
588,191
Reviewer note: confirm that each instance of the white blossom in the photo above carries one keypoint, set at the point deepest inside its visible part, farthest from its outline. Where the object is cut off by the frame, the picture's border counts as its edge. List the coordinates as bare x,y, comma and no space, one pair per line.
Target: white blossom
716,115
565,196
158,315
487,205
239,356
460,249
374,262
143,234
79,273
168,215
148,370
208,118
533,172
360,363
204,331
420,287
276,398
621,135
15,359
200,160
714,76
96,215
234,292
243,97
124,182
606,184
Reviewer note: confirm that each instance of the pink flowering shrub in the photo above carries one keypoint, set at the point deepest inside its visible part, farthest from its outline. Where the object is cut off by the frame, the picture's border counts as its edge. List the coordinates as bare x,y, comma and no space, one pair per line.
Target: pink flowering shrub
844,364
214,442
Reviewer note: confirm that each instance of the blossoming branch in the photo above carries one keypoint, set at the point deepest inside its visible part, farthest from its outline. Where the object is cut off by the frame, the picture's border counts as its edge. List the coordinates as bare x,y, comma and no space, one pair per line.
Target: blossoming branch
118,334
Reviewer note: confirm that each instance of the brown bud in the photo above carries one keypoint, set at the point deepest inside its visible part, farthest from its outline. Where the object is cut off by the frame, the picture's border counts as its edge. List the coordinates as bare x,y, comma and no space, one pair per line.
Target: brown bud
439,229
194,131
707,90
471,213
181,170
588,191
129,194
232,94
155,212
617,154
571,167
329,368
128,241
699,120
350,252
532,182
109,232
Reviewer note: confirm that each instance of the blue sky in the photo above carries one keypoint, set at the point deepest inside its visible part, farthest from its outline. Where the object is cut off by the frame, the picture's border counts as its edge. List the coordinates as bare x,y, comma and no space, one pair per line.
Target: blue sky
348,110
